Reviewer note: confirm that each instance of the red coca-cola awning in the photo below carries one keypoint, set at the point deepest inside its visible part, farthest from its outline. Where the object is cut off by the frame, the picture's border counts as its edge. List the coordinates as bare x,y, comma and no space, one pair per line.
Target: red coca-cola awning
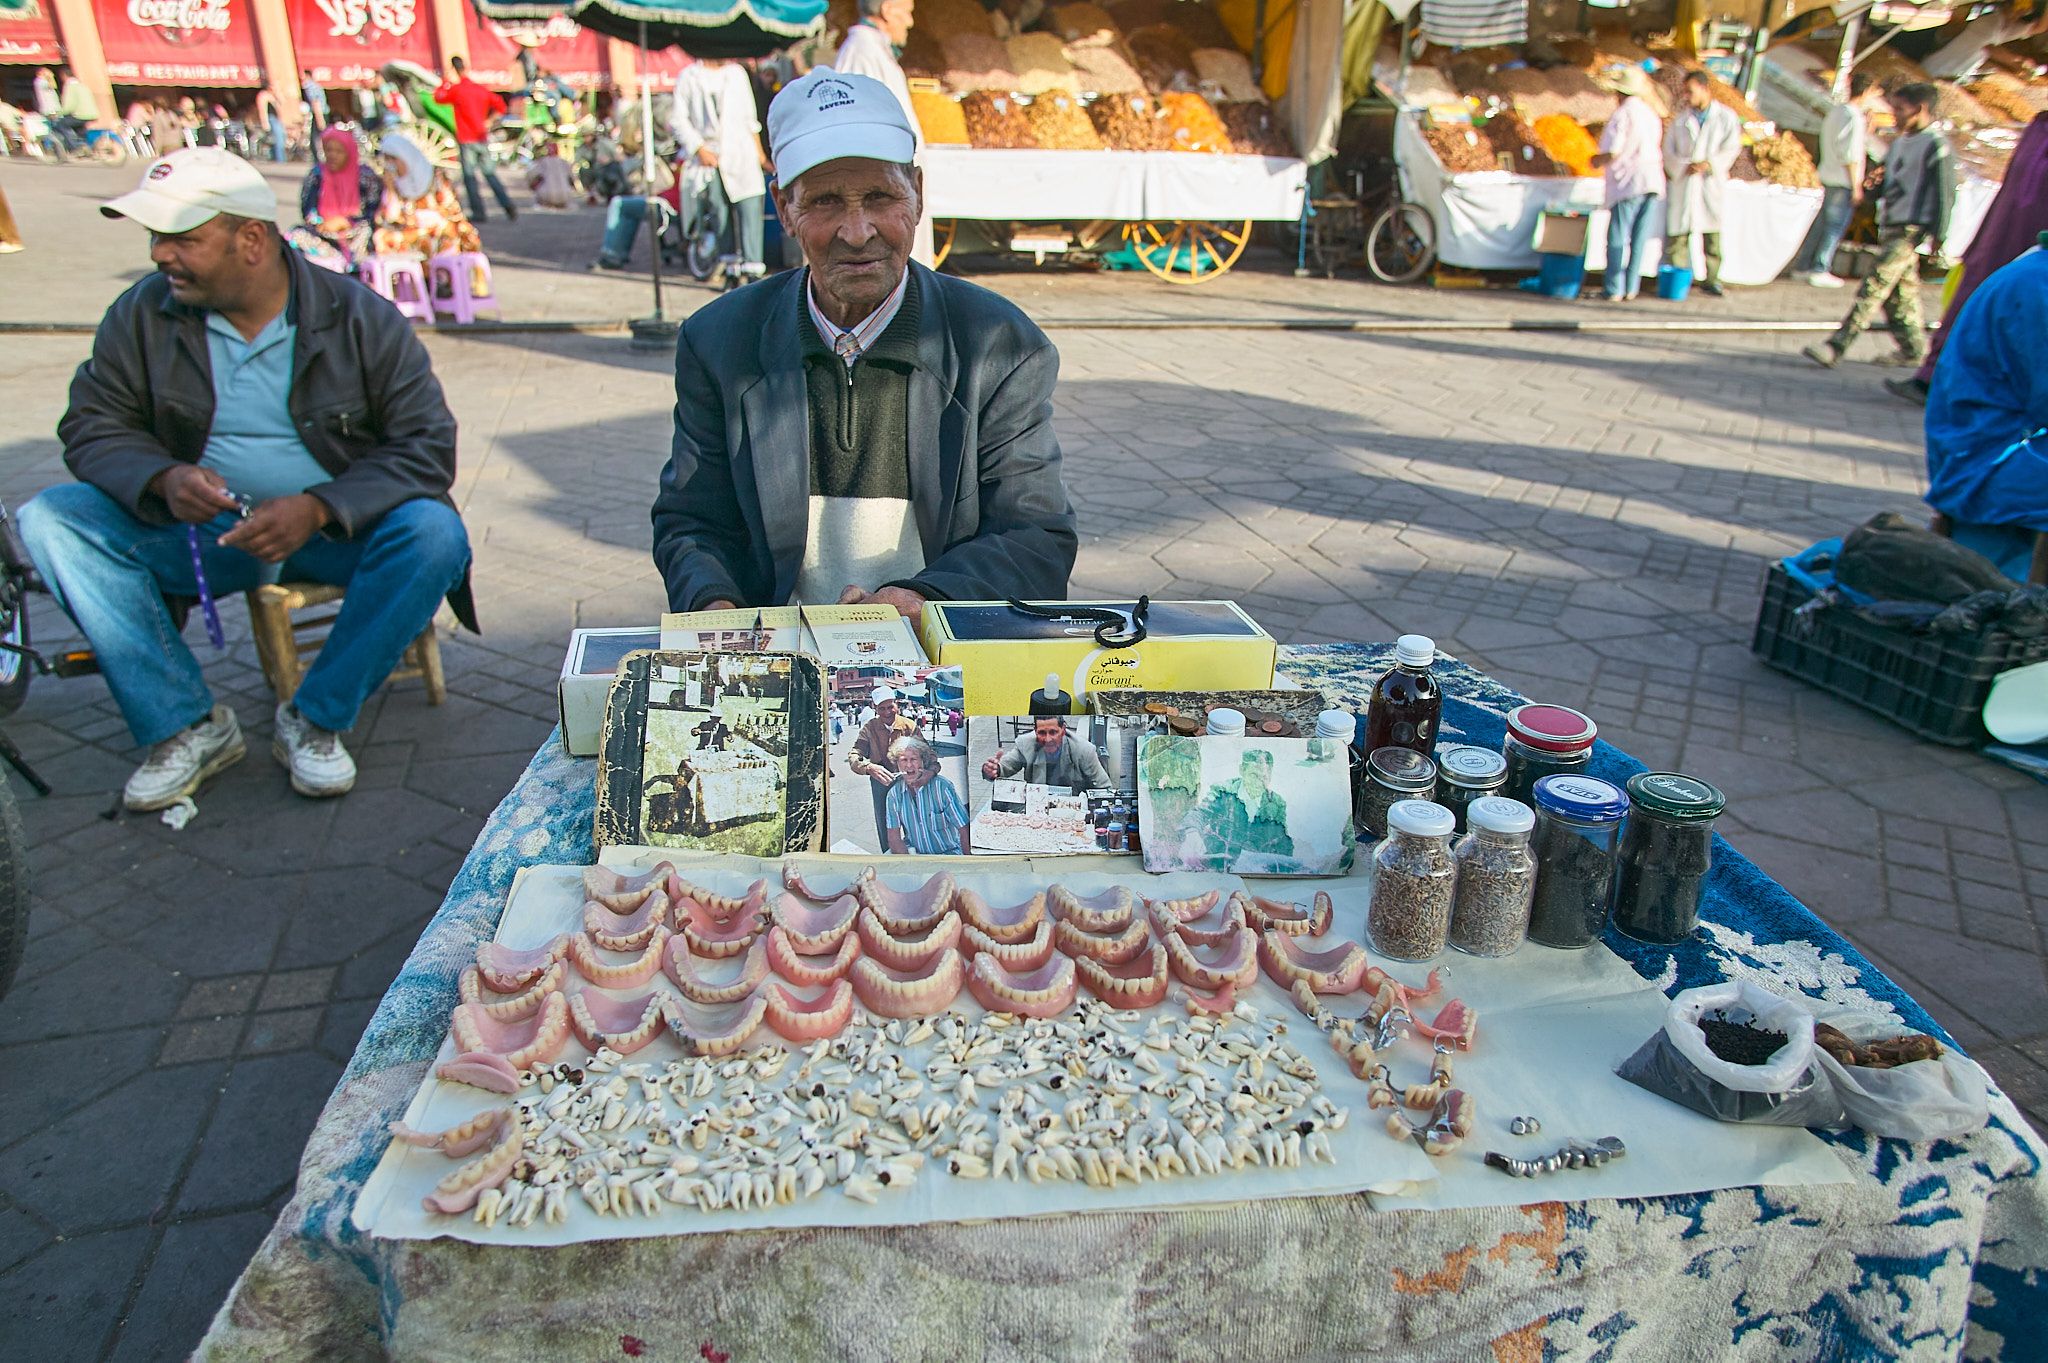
564,48
178,42
27,35
344,42
663,64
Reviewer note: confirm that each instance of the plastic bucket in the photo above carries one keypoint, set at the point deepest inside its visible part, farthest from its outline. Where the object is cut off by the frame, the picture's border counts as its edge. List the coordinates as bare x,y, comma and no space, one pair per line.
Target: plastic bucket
1561,275
1674,282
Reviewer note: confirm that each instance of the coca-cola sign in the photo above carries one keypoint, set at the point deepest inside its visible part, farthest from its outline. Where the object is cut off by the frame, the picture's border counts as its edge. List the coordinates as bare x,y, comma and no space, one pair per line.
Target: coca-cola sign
344,42
186,16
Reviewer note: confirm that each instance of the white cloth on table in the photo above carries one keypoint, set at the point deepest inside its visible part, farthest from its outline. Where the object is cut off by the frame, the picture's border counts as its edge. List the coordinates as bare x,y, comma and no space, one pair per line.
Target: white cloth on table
867,51
1714,137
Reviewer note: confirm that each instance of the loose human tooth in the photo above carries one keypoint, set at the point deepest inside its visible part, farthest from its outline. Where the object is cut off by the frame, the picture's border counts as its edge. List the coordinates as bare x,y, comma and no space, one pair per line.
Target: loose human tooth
862,1189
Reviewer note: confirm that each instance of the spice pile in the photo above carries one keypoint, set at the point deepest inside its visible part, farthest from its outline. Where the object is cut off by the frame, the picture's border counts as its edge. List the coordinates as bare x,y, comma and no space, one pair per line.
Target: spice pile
1739,1043
977,61
1193,123
939,117
1103,70
1059,124
1510,135
1040,61
1254,130
997,122
1228,72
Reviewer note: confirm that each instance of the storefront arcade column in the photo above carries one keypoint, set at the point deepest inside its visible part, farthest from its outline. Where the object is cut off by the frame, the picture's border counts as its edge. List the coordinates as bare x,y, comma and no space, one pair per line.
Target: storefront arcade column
84,53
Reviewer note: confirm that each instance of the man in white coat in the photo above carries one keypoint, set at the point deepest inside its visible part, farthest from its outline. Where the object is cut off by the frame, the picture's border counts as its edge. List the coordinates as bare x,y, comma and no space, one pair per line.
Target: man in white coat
717,126
1700,148
869,49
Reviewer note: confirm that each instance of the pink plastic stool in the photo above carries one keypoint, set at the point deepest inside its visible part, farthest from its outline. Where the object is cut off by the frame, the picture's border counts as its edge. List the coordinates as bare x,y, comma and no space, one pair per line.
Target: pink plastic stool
451,274
400,279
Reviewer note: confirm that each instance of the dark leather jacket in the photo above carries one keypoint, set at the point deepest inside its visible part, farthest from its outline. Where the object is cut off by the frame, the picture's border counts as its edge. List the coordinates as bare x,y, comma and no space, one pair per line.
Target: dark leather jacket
364,398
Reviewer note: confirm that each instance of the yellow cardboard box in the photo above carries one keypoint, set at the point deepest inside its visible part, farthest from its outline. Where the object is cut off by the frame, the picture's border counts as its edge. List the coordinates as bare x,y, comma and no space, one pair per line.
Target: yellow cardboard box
1004,655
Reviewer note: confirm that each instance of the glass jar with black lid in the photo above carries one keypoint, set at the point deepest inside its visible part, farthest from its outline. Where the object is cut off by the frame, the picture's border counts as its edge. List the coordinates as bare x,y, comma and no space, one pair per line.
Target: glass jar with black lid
1544,740
1666,851
1465,774
1392,775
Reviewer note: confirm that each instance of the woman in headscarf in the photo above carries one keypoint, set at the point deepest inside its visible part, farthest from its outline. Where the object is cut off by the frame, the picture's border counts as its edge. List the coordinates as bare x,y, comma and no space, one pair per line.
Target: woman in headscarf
421,214
339,199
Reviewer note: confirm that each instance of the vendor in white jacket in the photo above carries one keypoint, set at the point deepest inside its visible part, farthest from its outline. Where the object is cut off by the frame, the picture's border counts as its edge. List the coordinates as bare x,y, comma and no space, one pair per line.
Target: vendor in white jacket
869,49
717,127
1700,148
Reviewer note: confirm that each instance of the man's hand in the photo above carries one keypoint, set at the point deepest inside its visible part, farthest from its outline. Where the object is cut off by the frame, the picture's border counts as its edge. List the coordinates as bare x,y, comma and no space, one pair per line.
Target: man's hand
719,605
277,529
881,776
195,495
1700,168
992,769
908,603
1600,159
706,156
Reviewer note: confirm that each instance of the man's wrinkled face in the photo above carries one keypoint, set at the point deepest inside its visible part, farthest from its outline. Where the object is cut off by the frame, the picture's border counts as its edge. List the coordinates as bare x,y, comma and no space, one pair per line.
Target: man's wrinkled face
208,264
856,219
1050,733
885,710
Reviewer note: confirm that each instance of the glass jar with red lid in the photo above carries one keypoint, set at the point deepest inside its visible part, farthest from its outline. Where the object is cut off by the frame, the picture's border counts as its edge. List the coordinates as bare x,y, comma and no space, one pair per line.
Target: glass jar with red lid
1544,740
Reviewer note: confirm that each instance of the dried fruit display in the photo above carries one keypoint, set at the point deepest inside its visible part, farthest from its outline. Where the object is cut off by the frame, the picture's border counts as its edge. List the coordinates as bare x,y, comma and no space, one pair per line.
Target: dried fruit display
1561,90
1229,71
1104,71
1131,123
1194,124
1784,160
2011,96
945,19
978,62
1745,167
1461,149
922,55
1082,22
1059,123
1429,87
940,119
1165,57
1510,135
997,121
1959,107
1255,130
1040,61
1568,143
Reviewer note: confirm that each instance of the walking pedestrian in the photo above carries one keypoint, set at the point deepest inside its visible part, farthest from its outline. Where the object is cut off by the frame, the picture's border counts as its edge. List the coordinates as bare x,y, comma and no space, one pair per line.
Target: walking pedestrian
1844,142
716,126
45,85
1913,208
267,114
10,235
474,108
1632,166
1700,148
315,96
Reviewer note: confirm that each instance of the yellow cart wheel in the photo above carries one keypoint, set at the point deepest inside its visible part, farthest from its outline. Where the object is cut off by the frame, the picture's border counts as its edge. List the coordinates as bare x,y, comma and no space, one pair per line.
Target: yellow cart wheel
943,232
1188,252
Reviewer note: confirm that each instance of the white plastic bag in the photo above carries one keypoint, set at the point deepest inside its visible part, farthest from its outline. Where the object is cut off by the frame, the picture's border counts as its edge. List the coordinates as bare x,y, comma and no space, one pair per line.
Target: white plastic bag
1788,1090
1770,1012
1922,1101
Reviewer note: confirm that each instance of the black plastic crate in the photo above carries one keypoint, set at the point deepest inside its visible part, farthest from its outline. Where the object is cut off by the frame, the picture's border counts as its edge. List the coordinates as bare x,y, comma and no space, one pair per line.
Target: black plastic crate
1932,684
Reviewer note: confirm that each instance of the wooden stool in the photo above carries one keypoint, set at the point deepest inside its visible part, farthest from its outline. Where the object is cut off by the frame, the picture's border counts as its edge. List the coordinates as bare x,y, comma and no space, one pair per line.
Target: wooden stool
282,646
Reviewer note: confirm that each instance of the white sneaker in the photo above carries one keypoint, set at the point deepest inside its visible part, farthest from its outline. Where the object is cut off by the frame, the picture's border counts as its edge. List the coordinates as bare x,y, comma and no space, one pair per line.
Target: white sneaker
319,765
179,765
1824,280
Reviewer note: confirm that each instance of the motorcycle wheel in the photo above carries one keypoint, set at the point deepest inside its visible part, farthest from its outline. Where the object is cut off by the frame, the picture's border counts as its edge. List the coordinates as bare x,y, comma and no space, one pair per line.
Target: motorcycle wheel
110,151
13,889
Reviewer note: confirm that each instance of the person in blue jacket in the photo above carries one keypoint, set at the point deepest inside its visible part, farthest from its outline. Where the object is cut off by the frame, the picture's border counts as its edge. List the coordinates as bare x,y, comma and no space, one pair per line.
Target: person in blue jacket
1987,416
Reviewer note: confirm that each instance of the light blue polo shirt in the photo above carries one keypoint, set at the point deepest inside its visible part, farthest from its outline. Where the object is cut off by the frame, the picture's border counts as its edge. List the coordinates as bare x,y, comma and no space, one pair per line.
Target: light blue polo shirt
254,446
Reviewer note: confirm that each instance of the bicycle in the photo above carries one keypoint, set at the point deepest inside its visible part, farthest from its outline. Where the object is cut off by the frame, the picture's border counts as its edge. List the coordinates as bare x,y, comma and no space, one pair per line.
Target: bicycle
1394,237
19,662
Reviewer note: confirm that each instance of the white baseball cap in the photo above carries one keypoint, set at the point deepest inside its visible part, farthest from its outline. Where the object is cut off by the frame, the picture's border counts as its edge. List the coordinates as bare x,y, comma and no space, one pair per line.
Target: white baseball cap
826,115
880,694
192,184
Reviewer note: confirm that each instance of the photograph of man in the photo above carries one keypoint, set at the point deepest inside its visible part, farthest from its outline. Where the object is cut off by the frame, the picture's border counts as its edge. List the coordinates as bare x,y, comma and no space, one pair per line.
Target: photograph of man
870,755
924,811
1245,816
713,733
1050,756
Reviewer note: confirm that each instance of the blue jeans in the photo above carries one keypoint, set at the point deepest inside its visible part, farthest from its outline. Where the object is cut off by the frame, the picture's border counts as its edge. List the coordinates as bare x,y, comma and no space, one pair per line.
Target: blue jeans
1817,255
1628,244
278,140
622,219
111,573
476,161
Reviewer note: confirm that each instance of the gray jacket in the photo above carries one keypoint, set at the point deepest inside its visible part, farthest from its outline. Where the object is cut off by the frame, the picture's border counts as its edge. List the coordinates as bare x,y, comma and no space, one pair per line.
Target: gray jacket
1078,765
732,512
364,399
1919,187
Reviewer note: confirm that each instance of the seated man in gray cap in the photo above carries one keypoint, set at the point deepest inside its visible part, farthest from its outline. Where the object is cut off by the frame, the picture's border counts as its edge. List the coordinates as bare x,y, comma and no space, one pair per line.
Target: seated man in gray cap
246,417
862,429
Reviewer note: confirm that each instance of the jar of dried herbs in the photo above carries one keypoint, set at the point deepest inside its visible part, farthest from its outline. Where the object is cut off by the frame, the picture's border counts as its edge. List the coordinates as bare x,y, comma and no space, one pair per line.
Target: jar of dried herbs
1414,883
1544,740
1666,851
1391,775
1465,774
1577,844
1496,878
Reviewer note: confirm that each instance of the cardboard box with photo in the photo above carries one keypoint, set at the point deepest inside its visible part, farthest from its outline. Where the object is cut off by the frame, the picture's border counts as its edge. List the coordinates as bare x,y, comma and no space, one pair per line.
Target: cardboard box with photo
896,772
1245,806
717,751
1053,785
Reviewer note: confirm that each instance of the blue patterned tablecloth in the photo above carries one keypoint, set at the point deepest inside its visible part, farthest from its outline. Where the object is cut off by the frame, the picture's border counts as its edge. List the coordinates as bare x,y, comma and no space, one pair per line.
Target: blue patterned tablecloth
1935,1250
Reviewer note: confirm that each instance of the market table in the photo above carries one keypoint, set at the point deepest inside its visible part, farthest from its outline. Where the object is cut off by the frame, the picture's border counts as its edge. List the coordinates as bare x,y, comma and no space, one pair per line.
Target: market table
1933,1249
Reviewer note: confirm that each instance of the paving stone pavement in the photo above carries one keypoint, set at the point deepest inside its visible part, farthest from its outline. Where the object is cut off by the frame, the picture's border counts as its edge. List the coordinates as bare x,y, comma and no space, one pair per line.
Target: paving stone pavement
1586,517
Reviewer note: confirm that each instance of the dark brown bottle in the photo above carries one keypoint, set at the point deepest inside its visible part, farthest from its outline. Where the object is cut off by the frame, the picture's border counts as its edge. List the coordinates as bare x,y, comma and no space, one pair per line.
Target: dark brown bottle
1406,703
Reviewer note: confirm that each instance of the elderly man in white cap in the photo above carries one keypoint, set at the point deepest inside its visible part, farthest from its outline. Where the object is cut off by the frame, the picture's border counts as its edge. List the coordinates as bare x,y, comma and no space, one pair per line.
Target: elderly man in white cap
862,429
1631,160
245,417
870,756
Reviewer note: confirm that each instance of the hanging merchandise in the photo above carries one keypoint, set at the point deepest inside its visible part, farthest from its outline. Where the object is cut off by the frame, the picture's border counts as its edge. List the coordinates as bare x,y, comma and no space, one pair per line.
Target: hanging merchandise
1475,23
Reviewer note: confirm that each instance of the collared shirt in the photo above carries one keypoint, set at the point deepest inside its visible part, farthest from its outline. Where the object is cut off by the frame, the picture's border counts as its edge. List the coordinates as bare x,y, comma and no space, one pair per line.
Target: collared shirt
1843,140
874,739
1634,137
931,818
1074,763
850,343
254,445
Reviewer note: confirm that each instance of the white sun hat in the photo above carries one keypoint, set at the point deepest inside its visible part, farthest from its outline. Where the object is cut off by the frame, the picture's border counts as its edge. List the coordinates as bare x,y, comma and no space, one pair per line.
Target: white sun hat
191,185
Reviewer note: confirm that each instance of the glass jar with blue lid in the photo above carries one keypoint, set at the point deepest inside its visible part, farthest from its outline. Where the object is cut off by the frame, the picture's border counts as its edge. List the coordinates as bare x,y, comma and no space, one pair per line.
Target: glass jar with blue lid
1577,846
